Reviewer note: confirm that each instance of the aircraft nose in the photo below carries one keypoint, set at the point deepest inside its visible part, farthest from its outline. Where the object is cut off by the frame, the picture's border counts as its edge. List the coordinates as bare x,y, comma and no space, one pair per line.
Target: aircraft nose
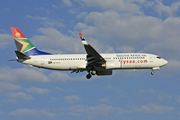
165,62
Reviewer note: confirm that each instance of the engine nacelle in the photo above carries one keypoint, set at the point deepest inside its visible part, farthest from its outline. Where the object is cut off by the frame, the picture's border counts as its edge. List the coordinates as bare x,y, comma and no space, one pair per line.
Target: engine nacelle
105,72
113,65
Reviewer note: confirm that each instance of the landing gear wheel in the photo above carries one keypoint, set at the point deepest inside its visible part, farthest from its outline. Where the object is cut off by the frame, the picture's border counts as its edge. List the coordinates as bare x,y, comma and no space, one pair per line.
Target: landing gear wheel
152,73
88,76
93,72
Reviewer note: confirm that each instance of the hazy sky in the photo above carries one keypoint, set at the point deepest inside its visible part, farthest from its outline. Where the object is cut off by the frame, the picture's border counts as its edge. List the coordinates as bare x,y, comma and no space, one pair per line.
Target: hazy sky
149,26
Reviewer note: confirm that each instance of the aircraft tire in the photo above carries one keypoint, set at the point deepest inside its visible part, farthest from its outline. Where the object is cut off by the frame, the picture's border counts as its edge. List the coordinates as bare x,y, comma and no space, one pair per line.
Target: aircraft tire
93,72
152,73
88,76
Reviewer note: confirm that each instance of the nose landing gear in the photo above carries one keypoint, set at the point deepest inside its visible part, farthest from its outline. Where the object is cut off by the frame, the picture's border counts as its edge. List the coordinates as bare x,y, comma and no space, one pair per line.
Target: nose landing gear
155,68
152,73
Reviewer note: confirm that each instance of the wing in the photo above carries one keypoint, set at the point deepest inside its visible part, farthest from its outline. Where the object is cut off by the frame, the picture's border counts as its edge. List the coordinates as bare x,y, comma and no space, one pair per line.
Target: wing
93,57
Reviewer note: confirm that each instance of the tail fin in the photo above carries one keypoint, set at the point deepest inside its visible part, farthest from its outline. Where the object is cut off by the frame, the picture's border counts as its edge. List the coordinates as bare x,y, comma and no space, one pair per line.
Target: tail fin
24,45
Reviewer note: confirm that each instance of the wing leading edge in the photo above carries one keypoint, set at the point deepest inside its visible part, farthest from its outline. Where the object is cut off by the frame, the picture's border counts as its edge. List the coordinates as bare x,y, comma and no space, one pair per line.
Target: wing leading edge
93,57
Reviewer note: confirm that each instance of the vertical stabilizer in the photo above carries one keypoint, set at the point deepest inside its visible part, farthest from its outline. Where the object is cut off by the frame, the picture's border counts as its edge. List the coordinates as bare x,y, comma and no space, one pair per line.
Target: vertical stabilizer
24,45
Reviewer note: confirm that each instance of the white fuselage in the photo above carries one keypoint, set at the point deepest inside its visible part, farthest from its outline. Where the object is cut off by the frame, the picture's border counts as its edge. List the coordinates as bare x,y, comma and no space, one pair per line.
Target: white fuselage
92,62
113,61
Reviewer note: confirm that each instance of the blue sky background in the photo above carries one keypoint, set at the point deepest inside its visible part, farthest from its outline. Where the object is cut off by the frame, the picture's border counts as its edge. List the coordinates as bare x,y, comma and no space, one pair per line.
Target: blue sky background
150,26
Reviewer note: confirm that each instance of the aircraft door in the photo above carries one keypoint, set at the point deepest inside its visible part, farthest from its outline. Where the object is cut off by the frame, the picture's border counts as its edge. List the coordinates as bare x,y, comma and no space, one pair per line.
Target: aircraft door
151,59
42,62
120,63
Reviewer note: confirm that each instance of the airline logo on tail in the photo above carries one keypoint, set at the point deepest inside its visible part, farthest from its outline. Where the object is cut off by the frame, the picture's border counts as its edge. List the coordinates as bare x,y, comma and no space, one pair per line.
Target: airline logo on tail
22,43
82,38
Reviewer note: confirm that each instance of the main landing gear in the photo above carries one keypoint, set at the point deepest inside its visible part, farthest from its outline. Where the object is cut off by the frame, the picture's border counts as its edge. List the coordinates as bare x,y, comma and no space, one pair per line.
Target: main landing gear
89,75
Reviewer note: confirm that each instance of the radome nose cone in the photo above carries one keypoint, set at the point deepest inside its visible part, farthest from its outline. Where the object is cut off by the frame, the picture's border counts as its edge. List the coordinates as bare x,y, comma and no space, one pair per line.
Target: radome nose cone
165,62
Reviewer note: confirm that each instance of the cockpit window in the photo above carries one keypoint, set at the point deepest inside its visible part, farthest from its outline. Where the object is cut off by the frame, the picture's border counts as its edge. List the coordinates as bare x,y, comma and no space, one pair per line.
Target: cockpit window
159,57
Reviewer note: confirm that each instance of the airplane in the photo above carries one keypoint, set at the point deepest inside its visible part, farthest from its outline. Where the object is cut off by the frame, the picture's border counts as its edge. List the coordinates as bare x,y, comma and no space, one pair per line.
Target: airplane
92,62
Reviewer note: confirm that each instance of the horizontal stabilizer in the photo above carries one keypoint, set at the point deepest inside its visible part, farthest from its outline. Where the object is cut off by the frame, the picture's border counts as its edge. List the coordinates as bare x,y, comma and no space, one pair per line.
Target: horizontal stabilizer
20,55
13,60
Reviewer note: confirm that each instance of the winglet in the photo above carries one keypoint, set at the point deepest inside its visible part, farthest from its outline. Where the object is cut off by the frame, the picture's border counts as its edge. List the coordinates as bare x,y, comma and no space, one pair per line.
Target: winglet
17,33
82,38
93,56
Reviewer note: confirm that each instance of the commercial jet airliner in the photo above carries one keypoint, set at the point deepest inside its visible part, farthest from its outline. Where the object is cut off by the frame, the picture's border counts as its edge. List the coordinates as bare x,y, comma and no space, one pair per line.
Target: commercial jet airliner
92,62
